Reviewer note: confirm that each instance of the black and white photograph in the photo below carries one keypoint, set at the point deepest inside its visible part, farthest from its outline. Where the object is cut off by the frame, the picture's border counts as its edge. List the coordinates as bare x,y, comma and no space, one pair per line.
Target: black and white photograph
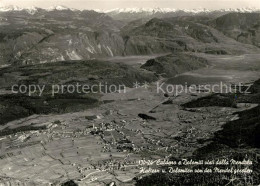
129,92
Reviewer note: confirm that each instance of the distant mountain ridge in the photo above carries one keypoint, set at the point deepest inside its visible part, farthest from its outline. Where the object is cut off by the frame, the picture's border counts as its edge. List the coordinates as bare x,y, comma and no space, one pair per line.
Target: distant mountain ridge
32,10
150,11
167,10
130,14
35,35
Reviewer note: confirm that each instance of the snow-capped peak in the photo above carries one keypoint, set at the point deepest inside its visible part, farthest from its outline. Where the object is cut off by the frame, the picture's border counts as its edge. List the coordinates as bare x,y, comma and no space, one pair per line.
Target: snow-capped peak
247,9
198,10
9,8
139,10
31,10
170,10
59,7
154,10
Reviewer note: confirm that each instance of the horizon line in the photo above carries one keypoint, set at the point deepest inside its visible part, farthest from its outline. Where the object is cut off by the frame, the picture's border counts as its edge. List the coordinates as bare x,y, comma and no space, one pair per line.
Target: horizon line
123,4
125,8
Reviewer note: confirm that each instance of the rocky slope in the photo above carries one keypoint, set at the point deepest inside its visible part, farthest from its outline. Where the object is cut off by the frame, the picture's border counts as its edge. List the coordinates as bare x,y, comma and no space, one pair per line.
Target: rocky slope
243,27
180,34
57,35
60,34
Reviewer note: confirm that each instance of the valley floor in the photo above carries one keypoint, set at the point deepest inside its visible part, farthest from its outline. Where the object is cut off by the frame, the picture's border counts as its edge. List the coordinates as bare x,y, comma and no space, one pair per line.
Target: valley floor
105,143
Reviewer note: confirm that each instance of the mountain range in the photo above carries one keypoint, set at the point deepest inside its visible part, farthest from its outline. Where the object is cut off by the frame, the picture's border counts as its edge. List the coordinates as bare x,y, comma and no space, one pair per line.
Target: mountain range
36,35
131,10
137,13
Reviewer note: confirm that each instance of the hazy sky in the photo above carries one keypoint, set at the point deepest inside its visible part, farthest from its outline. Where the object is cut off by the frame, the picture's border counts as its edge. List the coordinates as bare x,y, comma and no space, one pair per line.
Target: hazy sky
110,4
